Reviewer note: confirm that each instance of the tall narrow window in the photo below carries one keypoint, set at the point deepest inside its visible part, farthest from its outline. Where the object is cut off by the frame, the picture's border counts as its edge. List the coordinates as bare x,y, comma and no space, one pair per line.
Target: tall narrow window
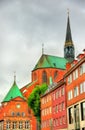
70,115
76,91
8,125
55,74
27,124
20,124
81,88
44,77
77,117
83,110
14,125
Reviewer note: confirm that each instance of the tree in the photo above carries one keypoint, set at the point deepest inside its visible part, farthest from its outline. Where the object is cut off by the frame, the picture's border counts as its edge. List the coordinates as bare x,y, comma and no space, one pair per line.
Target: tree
34,100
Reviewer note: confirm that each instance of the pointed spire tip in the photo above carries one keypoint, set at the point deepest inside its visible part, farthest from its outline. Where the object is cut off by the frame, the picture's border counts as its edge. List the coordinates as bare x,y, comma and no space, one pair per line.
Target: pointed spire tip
15,77
42,48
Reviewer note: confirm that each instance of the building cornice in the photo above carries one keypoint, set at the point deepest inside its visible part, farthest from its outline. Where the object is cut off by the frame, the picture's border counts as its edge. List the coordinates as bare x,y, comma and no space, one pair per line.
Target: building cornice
74,67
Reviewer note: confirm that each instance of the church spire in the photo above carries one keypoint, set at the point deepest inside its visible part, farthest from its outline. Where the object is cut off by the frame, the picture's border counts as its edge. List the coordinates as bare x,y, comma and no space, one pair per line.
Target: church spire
69,47
68,32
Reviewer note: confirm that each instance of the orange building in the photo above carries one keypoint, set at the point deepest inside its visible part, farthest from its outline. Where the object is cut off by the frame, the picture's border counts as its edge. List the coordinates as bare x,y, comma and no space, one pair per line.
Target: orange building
75,89
14,111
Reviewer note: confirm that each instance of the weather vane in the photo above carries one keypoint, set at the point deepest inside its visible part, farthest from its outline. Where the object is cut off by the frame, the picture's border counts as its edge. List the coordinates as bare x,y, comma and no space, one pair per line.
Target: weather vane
68,11
15,76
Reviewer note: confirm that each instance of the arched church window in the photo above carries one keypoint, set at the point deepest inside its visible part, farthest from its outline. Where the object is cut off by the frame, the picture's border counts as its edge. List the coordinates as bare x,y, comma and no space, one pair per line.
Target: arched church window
44,77
35,76
55,74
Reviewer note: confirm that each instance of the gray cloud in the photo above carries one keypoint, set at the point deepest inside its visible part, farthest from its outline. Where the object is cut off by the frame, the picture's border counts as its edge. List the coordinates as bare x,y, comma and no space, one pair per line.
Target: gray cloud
25,25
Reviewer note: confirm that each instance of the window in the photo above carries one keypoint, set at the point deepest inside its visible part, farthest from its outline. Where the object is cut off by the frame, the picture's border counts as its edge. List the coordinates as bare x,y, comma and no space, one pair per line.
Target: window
69,79
18,114
81,88
64,119
81,70
14,125
76,91
70,96
75,74
44,77
27,124
56,108
8,123
77,117
54,122
23,114
63,105
70,110
60,120
84,86
60,106
13,113
62,91
83,110
56,94
20,125
50,110
83,67
18,106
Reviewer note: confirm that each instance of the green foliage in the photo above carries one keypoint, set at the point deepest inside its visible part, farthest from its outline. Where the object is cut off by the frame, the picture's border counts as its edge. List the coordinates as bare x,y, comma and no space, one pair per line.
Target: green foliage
34,99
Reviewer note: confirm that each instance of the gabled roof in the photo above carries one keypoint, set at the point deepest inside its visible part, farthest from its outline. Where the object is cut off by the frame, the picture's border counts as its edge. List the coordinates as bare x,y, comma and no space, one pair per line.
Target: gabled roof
49,61
13,93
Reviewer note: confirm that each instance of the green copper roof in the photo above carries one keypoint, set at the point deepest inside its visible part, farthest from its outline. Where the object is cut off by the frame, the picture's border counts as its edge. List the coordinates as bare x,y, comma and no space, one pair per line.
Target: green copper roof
13,93
48,61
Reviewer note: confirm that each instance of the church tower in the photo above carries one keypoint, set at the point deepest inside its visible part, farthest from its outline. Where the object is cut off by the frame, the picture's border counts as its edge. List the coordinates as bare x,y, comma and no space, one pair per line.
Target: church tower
69,51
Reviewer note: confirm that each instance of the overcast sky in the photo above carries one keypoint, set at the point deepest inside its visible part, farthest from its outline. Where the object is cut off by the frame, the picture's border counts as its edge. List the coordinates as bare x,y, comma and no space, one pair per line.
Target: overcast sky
25,25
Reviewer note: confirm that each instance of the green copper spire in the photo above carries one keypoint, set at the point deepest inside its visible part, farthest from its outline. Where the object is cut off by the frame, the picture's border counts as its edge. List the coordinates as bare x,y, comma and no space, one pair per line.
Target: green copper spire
13,92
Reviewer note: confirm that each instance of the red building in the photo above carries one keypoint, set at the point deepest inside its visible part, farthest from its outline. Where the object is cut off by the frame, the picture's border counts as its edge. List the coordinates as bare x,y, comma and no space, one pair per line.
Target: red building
59,112
75,89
